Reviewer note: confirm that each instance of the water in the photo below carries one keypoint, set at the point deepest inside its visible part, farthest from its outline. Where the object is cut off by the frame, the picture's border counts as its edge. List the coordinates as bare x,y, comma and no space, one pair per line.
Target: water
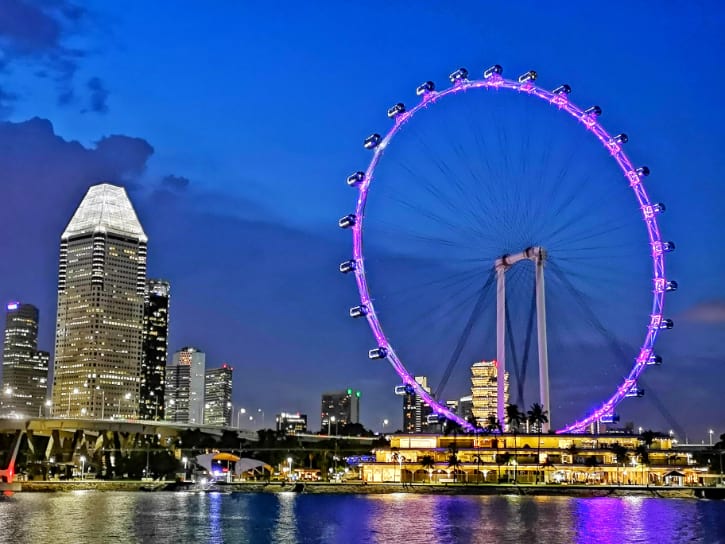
85,517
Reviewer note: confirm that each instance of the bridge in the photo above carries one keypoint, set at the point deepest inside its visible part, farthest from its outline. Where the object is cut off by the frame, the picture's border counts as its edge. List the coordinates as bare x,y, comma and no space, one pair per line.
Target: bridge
62,439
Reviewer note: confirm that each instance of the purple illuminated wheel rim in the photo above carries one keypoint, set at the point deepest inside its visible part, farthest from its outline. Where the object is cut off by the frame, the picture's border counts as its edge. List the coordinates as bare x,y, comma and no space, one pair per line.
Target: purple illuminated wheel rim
634,177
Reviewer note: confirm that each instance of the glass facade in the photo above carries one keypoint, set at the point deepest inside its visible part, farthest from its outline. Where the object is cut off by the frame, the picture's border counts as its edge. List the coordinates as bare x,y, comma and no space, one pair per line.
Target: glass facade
155,349
218,396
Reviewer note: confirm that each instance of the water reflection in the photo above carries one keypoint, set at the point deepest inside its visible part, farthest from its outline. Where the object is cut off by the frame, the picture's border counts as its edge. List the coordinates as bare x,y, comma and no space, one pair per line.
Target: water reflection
289,518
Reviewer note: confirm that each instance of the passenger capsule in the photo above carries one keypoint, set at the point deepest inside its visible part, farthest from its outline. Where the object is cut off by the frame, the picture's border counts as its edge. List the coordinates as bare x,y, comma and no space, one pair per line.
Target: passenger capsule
425,88
594,110
459,75
495,69
654,360
562,89
348,266
359,311
668,247
609,418
355,179
378,353
432,419
667,324
671,286
372,141
642,171
406,389
396,110
347,221
658,207
621,138
635,392
528,76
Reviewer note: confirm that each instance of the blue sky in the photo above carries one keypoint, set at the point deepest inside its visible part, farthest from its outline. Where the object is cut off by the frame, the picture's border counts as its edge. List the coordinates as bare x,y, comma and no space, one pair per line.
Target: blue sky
234,127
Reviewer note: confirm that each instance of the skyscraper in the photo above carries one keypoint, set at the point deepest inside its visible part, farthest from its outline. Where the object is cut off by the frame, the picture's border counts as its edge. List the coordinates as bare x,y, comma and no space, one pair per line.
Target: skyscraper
416,410
176,395
155,349
25,369
191,395
484,390
101,287
218,396
344,406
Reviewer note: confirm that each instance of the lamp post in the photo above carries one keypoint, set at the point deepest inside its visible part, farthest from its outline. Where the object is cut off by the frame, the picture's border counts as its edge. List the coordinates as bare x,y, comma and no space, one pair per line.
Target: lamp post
185,460
83,466
48,404
127,396
239,415
260,411
710,433
289,463
103,401
385,423
329,425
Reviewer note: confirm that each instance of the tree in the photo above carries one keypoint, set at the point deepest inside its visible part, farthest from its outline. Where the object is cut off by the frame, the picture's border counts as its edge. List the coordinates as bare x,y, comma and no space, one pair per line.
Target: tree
455,464
622,456
642,451
514,418
478,459
493,425
428,463
502,459
537,416
591,463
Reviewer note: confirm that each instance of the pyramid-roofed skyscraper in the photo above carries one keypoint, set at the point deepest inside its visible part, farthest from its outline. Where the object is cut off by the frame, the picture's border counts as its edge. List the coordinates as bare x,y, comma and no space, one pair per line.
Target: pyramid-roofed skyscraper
101,285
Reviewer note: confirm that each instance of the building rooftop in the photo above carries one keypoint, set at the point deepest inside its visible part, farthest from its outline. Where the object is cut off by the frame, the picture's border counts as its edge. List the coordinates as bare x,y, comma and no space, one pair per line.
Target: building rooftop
105,208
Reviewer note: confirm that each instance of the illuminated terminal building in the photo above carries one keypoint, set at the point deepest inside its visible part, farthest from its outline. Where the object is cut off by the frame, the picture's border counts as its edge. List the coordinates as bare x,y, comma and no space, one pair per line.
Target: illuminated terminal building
484,390
25,369
101,287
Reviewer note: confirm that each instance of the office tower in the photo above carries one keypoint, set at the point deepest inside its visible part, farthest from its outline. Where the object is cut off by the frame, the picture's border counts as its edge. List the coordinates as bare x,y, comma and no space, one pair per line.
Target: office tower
343,406
155,349
101,287
465,407
484,390
176,394
218,396
25,369
193,400
416,410
292,423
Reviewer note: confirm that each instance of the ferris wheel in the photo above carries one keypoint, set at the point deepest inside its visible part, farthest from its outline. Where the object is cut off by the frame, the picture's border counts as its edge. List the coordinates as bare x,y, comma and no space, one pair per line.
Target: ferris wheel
451,224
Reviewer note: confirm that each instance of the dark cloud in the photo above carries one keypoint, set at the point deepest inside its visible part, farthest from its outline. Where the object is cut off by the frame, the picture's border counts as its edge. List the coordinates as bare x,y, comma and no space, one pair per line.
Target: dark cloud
98,95
176,183
6,99
35,33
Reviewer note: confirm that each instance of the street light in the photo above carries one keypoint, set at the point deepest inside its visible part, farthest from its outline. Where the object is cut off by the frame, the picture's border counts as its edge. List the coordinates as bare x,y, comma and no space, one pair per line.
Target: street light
185,460
48,404
385,423
103,401
260,411
329,424
710,433
239,415
289,462
83,465
127,396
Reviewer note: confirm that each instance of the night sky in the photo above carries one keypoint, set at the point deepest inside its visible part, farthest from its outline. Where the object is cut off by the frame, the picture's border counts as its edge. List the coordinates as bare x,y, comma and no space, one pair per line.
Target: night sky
234,127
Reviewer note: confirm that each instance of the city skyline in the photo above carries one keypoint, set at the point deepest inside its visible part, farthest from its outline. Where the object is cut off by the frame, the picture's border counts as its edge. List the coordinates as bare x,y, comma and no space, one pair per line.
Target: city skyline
228,209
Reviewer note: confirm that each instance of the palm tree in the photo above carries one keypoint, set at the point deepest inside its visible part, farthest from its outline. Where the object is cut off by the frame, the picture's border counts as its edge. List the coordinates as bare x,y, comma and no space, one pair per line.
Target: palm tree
642,451
493,425
538,416
514,418
428,463
591,462
502,459
455,464
478,459
622,455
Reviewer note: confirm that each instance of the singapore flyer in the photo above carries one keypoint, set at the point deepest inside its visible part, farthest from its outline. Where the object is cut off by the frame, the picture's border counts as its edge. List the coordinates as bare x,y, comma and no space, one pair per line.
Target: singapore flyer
498,223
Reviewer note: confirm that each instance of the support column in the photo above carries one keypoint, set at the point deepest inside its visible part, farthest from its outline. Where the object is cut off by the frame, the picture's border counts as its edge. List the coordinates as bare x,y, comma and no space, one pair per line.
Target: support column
541,333
501,342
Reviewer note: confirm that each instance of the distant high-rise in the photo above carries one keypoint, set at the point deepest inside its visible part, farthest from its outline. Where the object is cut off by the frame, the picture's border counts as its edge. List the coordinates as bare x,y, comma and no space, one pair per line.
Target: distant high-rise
484,390
344,406
218,396
101,287
155,349
193,396
292,423
176,394
25,369
416,410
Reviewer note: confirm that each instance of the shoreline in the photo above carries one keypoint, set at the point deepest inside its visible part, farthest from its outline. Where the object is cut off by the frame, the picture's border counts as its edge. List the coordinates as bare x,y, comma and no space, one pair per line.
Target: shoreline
358,488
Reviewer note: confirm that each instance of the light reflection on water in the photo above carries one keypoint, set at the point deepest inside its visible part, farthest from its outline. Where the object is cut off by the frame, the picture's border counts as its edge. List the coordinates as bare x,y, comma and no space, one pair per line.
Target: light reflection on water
287,518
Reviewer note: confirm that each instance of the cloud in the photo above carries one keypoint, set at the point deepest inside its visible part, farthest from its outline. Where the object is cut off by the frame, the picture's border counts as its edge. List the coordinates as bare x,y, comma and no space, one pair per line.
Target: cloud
98,96
6,98
35,33
710,311
176,183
